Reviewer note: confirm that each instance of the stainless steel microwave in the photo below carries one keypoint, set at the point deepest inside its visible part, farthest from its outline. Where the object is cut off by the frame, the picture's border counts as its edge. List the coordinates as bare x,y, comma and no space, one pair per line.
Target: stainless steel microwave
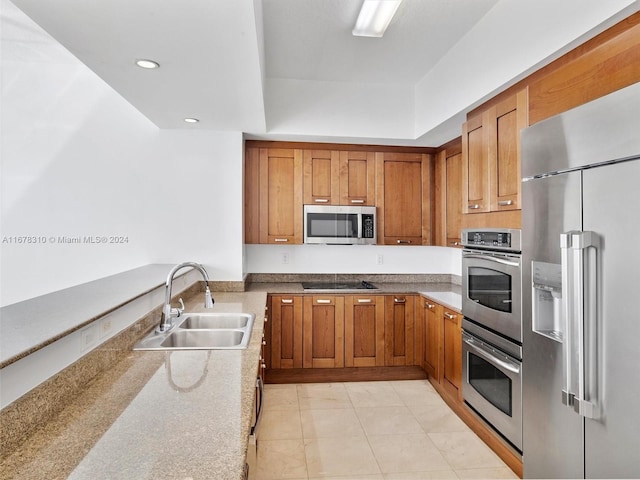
339,224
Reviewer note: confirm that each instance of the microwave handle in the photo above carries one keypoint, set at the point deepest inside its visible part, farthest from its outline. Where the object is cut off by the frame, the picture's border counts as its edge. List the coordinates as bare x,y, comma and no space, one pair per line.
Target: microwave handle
360,225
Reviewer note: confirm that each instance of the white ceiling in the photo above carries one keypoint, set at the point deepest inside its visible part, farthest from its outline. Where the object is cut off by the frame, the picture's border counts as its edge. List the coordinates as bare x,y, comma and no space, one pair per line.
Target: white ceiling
291,68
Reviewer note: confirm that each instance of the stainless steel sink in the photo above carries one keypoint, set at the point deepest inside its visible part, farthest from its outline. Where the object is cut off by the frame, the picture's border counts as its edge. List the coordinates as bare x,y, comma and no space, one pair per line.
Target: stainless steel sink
216,320
202,331
205,339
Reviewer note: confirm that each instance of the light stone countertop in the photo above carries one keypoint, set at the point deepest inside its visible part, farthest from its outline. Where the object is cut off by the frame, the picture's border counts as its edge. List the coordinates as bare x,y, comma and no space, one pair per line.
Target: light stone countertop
156,415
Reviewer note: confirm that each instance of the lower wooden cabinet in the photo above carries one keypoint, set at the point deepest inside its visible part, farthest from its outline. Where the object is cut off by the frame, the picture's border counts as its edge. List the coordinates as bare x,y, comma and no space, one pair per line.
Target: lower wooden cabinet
286,331
323,332
364,331
428,337
398,330
452,353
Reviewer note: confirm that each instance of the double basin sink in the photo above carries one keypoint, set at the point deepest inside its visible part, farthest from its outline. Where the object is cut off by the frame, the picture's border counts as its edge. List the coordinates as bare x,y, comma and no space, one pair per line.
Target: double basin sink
202,331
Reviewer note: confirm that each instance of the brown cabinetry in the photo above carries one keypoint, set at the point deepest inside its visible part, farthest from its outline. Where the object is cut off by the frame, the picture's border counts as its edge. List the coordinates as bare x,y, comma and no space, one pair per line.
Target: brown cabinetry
448,197
364,331
452,353
429,337
491,156
399,329
323,331
321,177
285,340
273,195
403,198
357,178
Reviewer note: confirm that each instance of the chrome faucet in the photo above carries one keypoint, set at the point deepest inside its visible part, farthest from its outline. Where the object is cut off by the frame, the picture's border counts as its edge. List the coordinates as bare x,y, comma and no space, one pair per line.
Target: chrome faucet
168,313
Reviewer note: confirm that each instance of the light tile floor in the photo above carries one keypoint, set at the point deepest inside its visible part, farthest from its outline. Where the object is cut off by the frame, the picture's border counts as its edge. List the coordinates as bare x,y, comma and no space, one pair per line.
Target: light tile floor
368,430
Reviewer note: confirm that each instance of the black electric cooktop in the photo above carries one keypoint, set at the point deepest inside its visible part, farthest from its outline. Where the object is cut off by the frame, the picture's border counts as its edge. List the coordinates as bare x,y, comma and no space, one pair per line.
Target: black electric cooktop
338,286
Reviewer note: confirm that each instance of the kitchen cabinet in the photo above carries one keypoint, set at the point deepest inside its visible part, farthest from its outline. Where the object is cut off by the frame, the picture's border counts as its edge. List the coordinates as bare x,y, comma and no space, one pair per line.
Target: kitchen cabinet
403,198
452,353
491,156
357,178
323,331
399,329
321,171
364,331
428,337
448,197
273,195
286,331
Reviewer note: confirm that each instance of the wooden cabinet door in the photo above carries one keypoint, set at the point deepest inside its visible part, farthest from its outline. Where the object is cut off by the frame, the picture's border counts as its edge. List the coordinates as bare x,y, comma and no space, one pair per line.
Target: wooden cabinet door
432,338
286,331
403,198
323,331
475,165
448,197
364,331
452,371
508,118
280,196
399,330
321,177
357,178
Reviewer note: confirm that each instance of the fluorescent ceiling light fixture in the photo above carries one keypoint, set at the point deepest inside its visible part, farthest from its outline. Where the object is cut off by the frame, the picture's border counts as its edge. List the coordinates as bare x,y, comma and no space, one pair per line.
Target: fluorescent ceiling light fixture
374,17
191,120
148,64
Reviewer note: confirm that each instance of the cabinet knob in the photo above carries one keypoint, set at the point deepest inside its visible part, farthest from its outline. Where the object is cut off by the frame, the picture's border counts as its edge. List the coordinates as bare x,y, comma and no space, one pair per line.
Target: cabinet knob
449,316
263,366
287,300
430,306
403,242
504,203
281,240
399,300
475,206
264,342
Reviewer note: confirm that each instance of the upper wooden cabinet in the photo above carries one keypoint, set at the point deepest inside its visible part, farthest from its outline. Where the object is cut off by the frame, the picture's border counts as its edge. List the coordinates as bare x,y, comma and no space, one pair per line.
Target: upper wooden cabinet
491,156
448,197
357,178
403,198
273,196
321,177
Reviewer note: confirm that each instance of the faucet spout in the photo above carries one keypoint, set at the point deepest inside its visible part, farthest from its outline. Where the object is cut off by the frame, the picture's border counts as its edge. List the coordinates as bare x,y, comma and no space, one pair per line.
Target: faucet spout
169,313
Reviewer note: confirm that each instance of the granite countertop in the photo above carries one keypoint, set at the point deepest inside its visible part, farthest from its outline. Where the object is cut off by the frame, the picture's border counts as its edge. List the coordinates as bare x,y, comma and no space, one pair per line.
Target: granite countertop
180,414
444,293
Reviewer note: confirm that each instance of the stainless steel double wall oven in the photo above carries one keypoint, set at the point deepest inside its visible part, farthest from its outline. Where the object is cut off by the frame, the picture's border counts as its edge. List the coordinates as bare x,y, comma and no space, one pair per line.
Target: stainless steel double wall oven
492,328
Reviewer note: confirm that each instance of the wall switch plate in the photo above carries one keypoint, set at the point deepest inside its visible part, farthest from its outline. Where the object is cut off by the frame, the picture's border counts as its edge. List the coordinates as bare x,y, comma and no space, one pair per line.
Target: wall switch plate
380,259
284,258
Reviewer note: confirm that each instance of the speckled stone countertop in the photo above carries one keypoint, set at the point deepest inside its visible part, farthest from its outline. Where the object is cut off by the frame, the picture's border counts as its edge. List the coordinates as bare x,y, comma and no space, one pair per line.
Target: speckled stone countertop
437,287
156,415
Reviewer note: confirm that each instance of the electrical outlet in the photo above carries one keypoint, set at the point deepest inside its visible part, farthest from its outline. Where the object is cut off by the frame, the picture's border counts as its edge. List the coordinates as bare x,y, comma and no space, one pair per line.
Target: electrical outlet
284,258
89,338
106,327
380,259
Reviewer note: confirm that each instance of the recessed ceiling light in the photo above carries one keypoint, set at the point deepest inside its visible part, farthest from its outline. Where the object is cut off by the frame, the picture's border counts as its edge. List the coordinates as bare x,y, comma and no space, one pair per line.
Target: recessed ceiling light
374,17
191,120
148,64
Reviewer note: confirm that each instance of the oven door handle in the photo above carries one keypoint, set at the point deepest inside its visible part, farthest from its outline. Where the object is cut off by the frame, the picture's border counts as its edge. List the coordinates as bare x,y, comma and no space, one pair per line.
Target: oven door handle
492,259
489,357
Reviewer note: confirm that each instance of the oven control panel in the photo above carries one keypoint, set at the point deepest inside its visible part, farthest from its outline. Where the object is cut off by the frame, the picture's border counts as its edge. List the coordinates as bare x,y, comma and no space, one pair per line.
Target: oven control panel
492,238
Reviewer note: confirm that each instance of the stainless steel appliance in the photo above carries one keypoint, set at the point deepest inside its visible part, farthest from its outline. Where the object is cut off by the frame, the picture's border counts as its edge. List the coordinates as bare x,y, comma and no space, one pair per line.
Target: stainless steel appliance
492,328
340,224
580,219
491,280
492,379
362,285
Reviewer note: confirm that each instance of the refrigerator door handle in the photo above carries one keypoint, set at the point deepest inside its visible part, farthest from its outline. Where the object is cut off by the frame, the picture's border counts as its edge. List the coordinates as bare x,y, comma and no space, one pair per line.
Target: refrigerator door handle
584,320
579,287
567,316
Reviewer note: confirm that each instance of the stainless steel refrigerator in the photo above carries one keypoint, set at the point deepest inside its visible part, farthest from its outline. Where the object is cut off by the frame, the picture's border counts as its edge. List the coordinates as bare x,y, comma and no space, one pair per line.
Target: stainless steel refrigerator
581,291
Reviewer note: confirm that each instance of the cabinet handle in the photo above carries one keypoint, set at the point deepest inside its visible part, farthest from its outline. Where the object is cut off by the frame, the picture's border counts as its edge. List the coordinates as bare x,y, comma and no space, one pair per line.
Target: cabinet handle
321,200
322,300
364,300
455,244
449,316
263,366
357,201
473,207
399,300
430,306
399,242
504,203
287,300
280,239
264,342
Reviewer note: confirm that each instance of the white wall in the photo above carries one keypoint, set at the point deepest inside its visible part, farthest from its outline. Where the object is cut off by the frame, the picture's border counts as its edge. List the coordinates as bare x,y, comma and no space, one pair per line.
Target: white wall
352,259
78,160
